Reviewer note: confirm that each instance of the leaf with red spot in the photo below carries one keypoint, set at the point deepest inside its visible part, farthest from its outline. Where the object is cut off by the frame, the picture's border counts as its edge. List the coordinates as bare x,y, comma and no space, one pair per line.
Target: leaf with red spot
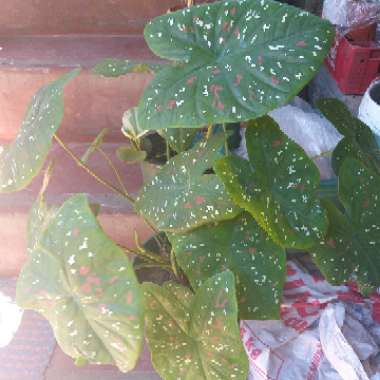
195,336
351,248
181,197
234,61
277,186
84,284
241,246
23,159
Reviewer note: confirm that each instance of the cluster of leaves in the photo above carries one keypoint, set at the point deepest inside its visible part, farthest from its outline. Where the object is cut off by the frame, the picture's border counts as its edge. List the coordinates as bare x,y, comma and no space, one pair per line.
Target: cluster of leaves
226,222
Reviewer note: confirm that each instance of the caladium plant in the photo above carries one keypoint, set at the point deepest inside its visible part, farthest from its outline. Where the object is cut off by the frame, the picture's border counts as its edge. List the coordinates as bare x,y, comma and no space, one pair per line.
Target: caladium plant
221,224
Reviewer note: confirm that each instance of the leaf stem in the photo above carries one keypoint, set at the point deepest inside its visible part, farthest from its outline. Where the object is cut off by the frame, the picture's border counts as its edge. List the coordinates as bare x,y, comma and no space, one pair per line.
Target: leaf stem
146,265
89,171
209,131
114,169
146,255
227,152
173,263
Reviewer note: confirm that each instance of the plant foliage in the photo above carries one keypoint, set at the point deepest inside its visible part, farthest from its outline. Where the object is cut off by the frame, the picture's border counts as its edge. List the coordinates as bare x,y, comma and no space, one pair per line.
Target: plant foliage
22,160
277,186
195,335
235,60
83,283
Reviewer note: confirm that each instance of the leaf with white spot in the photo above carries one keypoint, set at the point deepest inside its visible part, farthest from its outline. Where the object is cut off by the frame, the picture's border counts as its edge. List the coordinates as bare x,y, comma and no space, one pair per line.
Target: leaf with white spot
241,246
359,142
195,336
235,61
84,284
111,67
179,139
23,159
351,248
181,197
277,186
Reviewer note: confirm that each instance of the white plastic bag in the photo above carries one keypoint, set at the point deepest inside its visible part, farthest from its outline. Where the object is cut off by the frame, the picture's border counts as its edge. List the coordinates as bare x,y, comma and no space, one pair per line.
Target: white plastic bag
351,14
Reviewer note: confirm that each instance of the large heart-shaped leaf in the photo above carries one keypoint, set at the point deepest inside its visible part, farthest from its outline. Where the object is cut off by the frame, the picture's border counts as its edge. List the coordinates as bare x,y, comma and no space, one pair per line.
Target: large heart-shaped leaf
181,197
85,286
111,67
243,247
22,160
277,186
351,248
195,336
236,60
358,142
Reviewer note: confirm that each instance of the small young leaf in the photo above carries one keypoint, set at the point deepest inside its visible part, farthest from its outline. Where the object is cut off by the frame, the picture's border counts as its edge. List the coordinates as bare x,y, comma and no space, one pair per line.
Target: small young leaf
243,247
85,286
131,127
111,67
351,248
195,336
181,197
235,61
22,160
358,142
130,155
277,186
97,143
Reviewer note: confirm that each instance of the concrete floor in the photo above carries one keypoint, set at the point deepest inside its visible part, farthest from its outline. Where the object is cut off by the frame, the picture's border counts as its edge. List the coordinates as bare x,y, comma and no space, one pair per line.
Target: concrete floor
61,367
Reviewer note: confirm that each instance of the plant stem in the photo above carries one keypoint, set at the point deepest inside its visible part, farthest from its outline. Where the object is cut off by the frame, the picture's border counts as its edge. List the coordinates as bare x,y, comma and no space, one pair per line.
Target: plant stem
146,265
227,152
146,255
113,168
173,263
189,3
104,182
89,171
167,150
209,131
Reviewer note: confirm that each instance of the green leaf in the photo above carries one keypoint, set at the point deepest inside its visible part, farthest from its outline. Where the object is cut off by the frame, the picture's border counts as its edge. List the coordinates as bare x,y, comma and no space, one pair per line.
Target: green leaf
236,60
243,247
358,142
97,143
277,186
351,248
181,197
195,336
85,286
179,139
131,127
111,67
22,160
130,155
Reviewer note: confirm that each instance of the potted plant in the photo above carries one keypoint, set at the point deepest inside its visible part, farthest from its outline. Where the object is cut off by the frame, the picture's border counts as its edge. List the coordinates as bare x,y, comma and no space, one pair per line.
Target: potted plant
221,224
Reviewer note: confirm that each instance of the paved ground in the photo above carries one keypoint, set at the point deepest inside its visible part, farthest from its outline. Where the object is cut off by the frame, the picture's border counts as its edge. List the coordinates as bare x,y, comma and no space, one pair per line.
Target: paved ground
62,368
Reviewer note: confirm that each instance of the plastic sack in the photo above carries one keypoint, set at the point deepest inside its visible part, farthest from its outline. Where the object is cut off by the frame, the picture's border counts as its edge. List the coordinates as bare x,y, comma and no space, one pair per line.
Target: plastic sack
348,15
325,333
10,319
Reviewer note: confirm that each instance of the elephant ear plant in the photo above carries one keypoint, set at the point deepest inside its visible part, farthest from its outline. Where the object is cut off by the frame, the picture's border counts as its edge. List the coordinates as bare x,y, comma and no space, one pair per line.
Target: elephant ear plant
221,224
